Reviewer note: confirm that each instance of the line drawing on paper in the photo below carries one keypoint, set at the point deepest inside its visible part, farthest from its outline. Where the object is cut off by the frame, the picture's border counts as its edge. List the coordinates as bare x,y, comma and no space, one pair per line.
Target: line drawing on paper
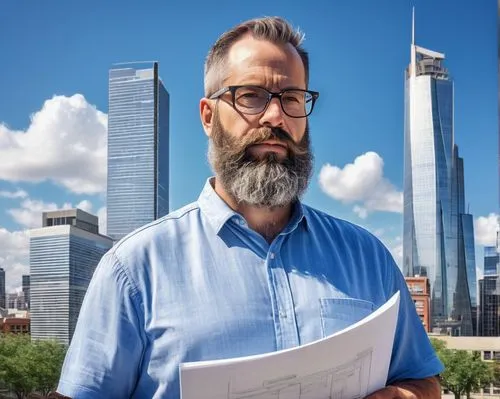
347,381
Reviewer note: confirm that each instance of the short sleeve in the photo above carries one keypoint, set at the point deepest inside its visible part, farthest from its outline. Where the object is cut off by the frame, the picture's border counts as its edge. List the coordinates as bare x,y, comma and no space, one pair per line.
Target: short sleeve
103,359
413,356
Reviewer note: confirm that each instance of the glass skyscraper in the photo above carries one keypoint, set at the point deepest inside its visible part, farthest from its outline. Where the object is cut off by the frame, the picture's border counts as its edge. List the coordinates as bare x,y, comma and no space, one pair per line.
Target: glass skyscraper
438,236
491,259
63,256
26,290
138,148
489,295
489,308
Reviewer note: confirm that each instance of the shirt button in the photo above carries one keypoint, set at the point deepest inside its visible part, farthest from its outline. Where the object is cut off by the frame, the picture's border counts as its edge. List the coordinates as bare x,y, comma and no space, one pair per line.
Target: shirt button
283,314
271,255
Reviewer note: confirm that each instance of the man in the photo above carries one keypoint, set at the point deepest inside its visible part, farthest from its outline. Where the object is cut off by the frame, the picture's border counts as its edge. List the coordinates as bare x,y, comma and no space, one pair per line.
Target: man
247,268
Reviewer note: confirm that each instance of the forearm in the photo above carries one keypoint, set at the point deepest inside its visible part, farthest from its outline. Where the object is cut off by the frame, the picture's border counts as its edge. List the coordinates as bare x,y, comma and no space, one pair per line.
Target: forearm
427,388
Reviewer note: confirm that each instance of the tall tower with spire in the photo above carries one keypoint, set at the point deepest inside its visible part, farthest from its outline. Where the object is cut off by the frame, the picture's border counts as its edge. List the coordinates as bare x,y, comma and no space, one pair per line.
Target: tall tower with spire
438,237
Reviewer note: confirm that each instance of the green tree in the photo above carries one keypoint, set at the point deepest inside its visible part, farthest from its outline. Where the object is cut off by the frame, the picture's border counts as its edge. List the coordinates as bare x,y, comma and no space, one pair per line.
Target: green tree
15,371
438,344
464,372
47,359
496,372
29,366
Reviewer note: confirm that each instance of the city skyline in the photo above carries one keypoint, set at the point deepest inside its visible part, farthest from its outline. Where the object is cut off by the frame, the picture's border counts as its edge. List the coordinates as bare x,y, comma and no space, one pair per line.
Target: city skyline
56,158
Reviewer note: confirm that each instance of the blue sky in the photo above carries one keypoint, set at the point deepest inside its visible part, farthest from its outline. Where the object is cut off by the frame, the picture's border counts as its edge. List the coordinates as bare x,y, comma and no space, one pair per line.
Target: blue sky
53,101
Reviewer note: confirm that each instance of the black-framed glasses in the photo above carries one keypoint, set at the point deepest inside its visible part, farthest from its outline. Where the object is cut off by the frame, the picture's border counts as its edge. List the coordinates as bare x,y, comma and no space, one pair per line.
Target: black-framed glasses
252,100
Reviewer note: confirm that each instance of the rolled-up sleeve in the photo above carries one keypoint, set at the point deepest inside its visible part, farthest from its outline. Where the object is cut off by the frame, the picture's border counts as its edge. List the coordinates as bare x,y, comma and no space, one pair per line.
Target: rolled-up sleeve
104,356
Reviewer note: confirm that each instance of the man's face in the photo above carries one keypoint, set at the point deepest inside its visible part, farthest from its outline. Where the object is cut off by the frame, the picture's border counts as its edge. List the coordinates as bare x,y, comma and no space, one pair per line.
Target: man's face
263,159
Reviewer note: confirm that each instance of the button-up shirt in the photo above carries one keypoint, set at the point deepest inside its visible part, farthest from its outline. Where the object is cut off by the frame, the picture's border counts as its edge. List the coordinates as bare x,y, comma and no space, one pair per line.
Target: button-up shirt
200,284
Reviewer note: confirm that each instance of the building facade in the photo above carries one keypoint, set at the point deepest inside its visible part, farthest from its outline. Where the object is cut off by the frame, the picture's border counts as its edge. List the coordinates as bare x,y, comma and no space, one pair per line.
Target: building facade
419,288
63,257
438,236
138,148
15,325
3,297
16,301
489,306
26,289
491,258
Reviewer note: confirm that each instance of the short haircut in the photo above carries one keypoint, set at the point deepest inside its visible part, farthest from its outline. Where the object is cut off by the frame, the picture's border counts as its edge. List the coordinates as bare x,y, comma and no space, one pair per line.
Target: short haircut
273,29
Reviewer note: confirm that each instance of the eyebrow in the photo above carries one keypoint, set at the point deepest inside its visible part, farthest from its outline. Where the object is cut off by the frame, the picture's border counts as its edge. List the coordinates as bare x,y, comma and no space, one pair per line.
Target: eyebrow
291,87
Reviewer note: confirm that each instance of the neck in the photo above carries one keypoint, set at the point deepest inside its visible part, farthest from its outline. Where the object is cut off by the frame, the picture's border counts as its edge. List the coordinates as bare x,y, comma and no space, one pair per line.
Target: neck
267,221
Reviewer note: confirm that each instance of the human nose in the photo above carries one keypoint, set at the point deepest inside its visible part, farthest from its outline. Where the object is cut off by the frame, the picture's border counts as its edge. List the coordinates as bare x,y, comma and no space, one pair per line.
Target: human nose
273,115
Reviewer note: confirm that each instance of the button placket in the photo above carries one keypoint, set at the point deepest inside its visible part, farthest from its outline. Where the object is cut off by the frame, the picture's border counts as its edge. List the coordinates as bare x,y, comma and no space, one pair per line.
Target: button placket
284,317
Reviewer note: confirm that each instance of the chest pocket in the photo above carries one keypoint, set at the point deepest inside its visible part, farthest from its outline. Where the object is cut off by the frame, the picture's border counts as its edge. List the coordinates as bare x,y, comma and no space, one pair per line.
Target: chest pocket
339,313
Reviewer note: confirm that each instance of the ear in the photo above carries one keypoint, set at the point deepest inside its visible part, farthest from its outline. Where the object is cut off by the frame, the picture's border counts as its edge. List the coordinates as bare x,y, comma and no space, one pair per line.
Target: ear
206,115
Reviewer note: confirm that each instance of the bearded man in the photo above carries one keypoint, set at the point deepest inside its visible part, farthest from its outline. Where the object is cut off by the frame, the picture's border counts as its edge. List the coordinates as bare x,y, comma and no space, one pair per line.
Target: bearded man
247,268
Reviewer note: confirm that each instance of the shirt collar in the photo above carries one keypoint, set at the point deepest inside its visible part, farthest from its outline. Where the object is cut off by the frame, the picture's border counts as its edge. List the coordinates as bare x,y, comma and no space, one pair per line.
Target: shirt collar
218,212
214,207
298,215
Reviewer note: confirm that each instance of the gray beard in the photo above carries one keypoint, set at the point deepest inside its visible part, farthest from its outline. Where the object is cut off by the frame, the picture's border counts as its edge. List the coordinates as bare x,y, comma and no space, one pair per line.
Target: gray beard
267,182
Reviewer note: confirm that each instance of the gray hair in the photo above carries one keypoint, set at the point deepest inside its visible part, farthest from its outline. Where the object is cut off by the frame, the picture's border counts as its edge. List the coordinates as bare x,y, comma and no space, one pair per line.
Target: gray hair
273,29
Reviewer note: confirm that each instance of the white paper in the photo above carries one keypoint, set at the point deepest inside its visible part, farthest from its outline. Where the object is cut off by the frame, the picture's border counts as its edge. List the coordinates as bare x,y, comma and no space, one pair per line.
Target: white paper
351,363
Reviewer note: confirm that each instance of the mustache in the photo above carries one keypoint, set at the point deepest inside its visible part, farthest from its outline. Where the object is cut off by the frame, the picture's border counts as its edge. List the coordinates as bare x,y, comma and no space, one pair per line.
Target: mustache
263,134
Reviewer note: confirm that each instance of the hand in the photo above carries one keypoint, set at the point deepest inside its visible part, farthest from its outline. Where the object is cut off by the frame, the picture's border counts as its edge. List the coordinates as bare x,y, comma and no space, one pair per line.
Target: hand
392,392
56,395
426,388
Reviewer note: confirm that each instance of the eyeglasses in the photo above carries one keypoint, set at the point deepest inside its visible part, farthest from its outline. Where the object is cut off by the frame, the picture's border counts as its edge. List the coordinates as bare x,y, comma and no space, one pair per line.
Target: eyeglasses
252,100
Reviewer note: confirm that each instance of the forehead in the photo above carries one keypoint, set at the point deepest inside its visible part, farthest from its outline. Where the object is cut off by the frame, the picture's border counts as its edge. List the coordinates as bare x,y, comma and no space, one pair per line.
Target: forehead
253,59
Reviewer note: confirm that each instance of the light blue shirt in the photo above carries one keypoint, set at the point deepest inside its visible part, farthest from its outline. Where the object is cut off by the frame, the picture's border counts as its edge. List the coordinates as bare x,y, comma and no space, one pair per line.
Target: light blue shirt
199,284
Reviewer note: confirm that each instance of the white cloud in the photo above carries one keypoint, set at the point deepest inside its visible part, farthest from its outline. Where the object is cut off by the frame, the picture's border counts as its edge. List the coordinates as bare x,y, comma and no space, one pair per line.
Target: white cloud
14,256
85,205
65,143
101,214
360,211
362,182
15,194
30,213
485,229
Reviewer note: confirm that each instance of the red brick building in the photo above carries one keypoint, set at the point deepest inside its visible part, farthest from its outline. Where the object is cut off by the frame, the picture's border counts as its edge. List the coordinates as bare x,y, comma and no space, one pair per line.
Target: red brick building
420,289
16,325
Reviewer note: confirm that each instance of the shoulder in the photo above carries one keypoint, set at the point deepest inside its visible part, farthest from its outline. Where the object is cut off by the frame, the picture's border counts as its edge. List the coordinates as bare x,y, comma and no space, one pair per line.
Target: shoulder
350,242
143,253
148,246
356,252
158,231
341,229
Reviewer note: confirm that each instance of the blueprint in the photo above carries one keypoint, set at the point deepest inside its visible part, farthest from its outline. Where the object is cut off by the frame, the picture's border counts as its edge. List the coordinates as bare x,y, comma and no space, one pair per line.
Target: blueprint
349,364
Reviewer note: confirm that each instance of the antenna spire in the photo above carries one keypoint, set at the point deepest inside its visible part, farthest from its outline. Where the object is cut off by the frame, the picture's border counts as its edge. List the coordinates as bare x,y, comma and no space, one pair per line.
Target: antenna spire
413,54
413,25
